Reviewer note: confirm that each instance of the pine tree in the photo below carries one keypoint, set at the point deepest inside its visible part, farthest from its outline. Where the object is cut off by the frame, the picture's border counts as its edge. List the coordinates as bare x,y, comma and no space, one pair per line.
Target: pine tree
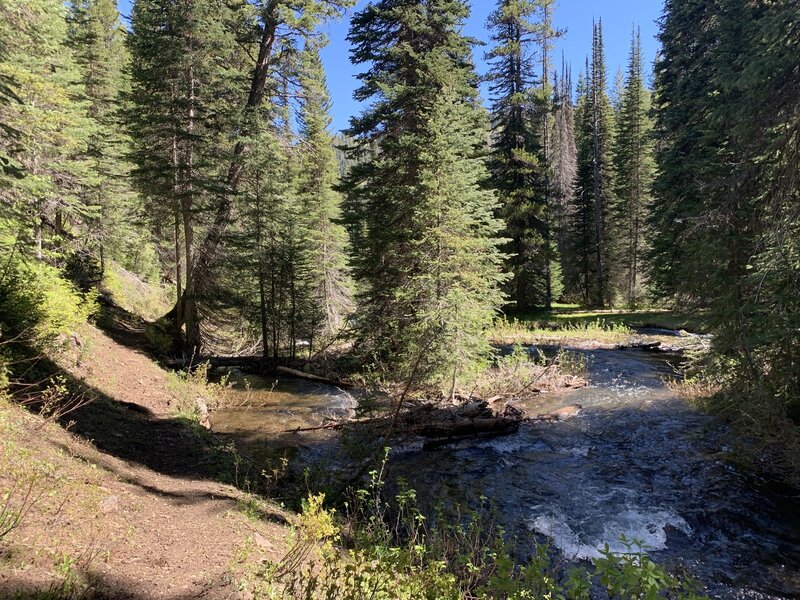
97,40
564,169
265,237
635,169
277,26
9,168
725,211
426,257
682,105
183,108
520,120
320,204
50,134
595,183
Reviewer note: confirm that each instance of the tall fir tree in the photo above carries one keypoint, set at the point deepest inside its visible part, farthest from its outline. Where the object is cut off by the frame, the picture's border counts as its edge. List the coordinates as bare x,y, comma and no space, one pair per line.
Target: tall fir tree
97,39
564,169
277,27
43,210
522,36
321,205
725,214
595,183
682,107
549,268
426,258
184,104
635,170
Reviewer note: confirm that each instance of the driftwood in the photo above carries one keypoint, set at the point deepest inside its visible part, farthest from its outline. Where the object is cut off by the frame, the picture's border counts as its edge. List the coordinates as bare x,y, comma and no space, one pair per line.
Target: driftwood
311,377
441,424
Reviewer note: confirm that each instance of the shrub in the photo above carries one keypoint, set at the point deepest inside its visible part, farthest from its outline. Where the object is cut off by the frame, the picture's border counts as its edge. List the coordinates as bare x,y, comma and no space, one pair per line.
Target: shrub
37,305
160,338
393,552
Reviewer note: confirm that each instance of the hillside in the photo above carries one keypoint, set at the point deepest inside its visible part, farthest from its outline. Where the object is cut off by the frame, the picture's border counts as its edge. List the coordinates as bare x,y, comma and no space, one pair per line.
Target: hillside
123,499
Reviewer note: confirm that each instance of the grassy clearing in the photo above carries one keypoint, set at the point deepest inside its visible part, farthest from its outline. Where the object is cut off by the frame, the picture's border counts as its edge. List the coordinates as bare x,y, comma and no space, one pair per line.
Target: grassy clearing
695,322
569,324
531,332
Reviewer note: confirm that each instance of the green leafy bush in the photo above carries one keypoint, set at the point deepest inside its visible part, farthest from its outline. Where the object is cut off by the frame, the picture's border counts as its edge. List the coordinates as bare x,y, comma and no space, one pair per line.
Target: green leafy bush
37,305
160,338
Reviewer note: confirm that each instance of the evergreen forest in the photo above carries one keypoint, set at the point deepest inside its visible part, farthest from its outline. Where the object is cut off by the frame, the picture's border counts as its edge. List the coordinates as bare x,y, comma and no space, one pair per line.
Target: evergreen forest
183,233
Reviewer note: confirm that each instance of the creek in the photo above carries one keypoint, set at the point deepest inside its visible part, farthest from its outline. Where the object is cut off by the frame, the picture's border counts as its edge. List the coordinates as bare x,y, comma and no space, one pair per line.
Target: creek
637,461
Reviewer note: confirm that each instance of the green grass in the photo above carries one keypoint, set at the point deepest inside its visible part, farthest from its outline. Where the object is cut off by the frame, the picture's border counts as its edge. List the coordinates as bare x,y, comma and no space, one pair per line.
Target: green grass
136,295
532,332
695,322
573,323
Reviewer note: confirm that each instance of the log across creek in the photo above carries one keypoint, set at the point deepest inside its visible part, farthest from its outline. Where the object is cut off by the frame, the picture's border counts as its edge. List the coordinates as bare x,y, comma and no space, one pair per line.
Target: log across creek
440,424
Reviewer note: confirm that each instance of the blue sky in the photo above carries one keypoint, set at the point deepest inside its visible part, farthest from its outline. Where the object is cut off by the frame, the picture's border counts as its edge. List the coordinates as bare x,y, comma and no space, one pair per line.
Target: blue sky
576,16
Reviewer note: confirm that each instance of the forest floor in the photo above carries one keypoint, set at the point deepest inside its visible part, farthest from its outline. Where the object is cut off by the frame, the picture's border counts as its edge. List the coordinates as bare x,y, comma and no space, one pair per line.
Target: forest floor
124,497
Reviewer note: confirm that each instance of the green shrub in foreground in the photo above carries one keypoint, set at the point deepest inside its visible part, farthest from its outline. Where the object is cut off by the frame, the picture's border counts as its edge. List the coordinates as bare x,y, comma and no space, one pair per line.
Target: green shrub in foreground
383,552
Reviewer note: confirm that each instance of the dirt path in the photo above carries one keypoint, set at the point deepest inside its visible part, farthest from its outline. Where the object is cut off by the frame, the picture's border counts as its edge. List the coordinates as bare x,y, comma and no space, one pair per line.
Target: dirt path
133,502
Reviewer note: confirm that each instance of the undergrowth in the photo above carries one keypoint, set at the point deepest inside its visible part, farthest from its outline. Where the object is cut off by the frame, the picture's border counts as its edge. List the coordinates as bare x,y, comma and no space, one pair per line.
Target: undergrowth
764,437
136,294
389,550
522,373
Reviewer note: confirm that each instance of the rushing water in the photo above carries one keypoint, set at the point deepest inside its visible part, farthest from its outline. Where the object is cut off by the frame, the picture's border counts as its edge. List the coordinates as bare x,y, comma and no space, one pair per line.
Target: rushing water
637,461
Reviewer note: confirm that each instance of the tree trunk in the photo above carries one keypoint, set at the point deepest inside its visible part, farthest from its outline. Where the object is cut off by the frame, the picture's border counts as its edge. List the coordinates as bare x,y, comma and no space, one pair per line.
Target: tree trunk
204,256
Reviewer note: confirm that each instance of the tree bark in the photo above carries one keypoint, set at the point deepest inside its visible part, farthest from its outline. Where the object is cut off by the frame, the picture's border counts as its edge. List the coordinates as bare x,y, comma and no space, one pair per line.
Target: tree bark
204,256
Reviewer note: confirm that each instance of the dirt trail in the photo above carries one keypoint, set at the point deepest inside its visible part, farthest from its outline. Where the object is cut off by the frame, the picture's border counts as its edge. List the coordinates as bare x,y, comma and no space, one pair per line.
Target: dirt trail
131,502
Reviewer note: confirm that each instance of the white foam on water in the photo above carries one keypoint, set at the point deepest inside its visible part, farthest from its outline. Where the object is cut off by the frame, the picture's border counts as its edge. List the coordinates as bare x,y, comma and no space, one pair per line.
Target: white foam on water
511,444
577,451
647,527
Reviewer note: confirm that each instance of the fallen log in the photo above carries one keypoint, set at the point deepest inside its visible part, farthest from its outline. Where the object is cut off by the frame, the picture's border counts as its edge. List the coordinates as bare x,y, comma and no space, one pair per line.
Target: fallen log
312,377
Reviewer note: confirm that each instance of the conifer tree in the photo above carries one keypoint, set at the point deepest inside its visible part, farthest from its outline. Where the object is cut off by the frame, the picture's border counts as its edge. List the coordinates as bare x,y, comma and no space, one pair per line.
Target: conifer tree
550,268
9,168
97,38
517,160
265,237
726,194
686,147
50,133
321,204
595,183
634,169
278,25
183,108
564,168
426,259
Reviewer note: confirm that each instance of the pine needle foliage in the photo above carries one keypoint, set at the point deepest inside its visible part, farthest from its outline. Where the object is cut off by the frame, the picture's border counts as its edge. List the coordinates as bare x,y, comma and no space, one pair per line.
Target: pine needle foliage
635,167
425,251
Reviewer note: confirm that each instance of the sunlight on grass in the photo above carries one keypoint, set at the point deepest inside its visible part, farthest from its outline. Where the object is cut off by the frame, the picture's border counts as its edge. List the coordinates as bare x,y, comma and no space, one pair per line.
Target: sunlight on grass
696,322
531,332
